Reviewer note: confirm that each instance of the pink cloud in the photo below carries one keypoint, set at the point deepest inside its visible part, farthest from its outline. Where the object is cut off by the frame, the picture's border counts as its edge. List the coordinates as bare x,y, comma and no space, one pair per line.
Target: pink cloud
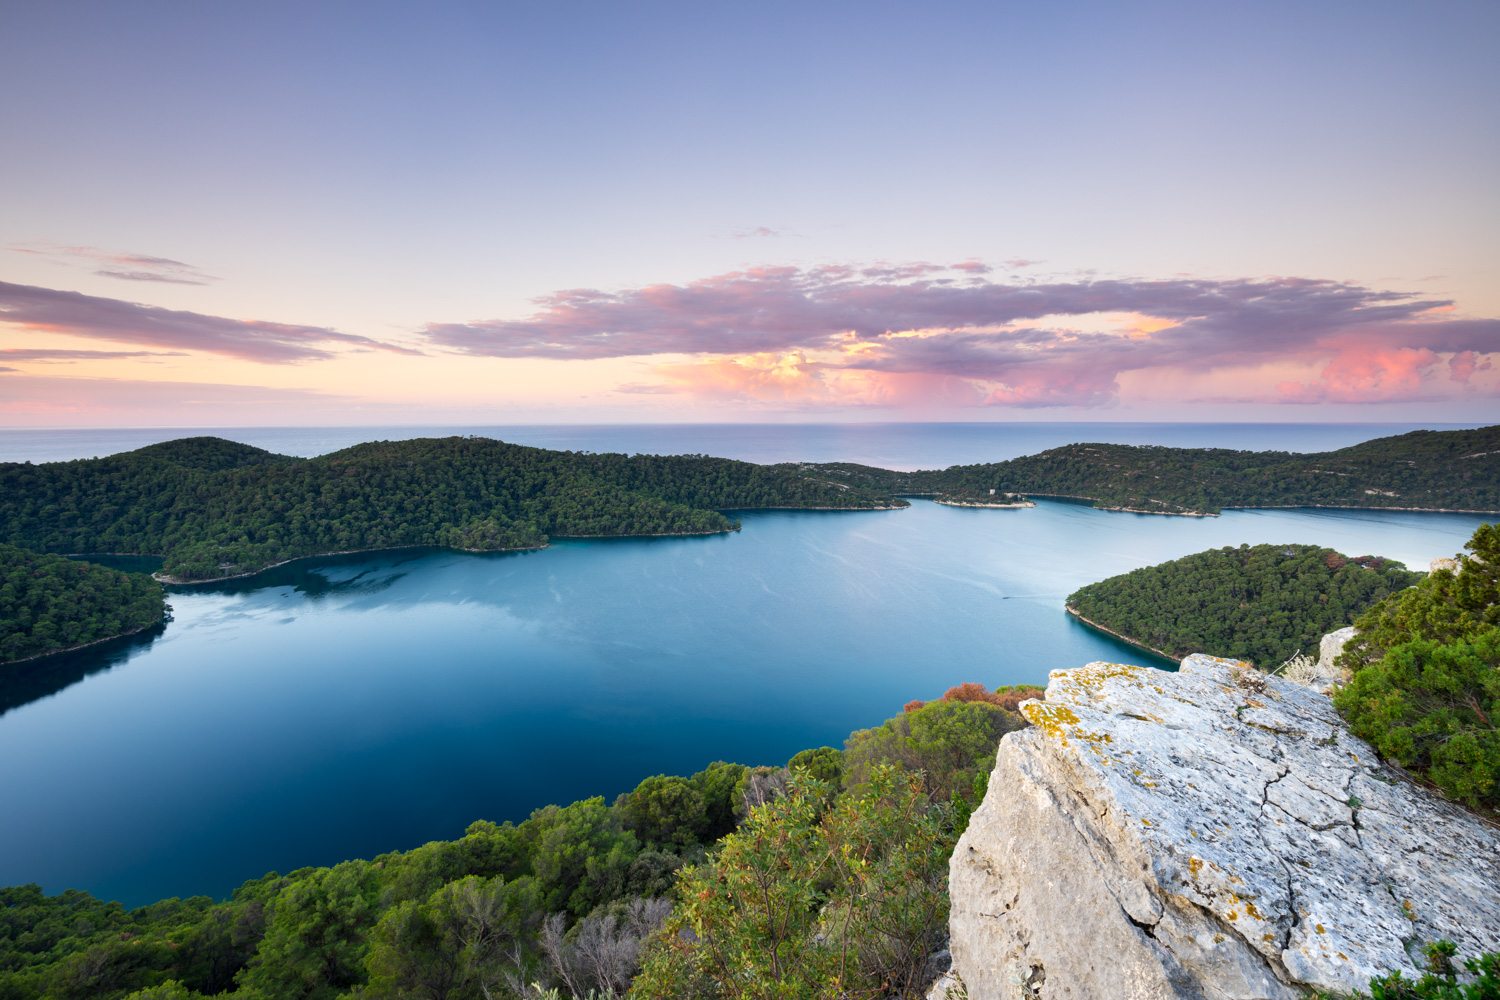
1005,340
32,308
1377,374
49,356
1463,365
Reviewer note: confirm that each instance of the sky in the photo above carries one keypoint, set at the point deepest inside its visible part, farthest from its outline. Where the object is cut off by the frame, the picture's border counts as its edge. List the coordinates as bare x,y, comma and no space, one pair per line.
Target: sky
289,214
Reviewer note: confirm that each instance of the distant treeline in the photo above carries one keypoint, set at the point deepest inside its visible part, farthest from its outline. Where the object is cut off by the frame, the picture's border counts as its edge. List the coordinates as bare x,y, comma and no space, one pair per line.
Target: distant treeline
1429,470
833,868
49,603
213,508
1262,603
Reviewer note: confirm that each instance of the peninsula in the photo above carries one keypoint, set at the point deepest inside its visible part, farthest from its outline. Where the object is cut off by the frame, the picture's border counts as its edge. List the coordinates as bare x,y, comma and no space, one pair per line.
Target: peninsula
212,508
1261,603
1422,470
50,604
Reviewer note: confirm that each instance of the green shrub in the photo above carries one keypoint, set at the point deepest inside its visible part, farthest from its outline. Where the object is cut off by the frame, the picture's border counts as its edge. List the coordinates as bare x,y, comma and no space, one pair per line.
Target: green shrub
1425,685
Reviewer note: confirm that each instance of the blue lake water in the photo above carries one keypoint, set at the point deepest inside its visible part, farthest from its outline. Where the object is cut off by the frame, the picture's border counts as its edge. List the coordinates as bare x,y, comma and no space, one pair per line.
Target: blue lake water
342,707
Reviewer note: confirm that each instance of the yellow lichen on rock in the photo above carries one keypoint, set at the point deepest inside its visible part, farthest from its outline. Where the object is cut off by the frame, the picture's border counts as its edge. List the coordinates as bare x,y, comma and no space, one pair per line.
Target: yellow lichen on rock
1051,718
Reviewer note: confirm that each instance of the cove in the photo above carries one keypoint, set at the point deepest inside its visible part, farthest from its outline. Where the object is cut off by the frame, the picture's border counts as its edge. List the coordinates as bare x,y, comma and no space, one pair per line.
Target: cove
343,707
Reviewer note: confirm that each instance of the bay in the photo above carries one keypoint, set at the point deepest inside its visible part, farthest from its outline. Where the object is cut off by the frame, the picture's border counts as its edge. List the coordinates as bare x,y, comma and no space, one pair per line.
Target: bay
342,707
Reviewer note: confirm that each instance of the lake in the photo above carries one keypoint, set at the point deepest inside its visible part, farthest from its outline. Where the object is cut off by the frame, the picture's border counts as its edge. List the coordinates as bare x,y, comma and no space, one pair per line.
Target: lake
342,707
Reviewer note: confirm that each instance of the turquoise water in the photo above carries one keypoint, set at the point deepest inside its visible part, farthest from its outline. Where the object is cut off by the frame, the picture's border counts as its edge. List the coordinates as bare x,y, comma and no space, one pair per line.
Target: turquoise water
344,707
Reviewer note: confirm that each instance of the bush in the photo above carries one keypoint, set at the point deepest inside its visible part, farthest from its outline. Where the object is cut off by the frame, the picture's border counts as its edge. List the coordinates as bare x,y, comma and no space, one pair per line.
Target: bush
809,899
1425,689
951,743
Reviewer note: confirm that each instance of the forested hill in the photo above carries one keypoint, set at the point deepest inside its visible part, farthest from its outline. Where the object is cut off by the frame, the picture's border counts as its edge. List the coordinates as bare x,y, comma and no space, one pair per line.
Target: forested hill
48,603
214,508
1429,470
1262,603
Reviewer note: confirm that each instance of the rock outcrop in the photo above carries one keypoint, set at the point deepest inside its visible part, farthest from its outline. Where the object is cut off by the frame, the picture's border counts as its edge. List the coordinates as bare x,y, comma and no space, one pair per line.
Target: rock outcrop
1213,833
1330,646
1323,674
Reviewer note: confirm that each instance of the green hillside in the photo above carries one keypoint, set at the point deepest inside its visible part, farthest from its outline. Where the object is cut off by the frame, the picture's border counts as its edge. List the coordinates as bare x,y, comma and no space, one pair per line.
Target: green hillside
1427,470
213,508
1261,603
48,603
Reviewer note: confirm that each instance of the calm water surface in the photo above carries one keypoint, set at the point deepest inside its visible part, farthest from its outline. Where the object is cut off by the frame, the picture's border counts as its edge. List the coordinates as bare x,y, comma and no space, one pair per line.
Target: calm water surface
344,707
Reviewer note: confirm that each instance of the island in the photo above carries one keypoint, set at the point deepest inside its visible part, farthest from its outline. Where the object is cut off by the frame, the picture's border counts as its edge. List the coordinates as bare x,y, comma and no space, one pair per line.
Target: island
1424,470
50,604
213,509
1259,603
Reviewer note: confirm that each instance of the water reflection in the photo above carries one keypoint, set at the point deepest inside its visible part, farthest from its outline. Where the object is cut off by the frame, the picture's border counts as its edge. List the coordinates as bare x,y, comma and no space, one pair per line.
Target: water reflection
23,683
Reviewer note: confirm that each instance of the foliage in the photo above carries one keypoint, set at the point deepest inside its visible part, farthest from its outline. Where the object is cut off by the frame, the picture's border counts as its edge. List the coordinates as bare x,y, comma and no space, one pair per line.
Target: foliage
826,764
808,901
1449,470
1008,697
1425,689
48,603
1261,603
213,508
951,744
561,904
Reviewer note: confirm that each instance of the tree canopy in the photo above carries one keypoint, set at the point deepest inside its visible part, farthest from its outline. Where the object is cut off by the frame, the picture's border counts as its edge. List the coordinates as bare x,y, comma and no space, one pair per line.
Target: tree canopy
213,508
1431,470
49,603
1262,603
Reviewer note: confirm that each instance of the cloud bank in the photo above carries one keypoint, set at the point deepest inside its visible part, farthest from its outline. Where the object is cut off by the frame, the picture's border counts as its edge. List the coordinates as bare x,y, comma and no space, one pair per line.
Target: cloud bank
49,310
891,333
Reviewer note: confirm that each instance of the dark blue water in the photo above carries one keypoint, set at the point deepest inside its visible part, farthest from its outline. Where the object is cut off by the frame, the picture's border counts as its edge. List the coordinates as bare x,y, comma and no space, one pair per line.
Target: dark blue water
889,445
340,708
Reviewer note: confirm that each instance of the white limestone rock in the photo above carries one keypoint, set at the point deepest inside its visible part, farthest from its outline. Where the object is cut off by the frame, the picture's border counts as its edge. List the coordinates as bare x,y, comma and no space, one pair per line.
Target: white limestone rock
1330,646
1213,833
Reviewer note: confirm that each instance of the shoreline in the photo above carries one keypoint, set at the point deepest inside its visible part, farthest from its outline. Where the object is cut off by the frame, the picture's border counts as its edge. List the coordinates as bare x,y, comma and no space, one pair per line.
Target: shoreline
174,581
88,645
1267,506
850,510
1095,502
1123,638
1158,513
169,580
1362,506
989,506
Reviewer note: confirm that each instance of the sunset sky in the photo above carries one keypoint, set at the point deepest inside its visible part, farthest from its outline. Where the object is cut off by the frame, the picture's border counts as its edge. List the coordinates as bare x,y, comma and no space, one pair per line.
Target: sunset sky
267,214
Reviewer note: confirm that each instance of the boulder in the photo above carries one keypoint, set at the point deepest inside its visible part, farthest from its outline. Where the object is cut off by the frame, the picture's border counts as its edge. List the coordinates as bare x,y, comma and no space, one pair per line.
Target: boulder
1210,833
1330,646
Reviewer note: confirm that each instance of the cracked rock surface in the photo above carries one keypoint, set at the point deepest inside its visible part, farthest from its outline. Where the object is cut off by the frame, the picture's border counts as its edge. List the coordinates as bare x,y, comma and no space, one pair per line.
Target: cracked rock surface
1213,833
